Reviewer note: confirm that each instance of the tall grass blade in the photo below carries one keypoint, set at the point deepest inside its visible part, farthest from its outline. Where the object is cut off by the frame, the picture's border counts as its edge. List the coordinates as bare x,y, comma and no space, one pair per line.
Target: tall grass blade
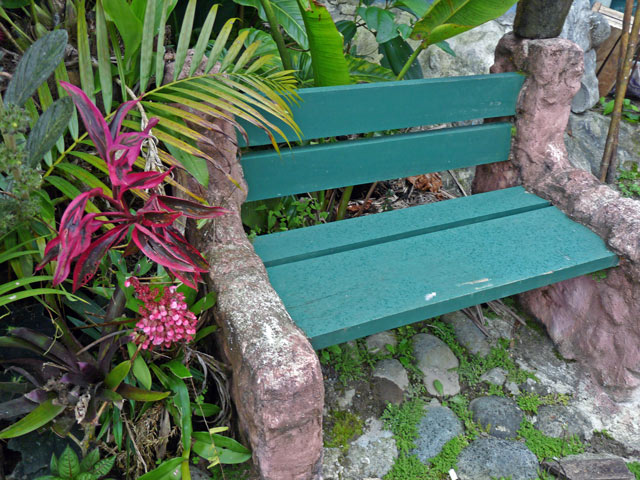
184,38
84,53
146,49
104,57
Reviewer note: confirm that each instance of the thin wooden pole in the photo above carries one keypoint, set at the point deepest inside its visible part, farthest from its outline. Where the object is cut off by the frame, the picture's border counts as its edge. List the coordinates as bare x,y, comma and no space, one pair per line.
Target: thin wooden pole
628,44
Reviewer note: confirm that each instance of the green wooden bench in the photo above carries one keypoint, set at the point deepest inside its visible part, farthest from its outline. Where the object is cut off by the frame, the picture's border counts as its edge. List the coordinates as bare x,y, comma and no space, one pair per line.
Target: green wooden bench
348,279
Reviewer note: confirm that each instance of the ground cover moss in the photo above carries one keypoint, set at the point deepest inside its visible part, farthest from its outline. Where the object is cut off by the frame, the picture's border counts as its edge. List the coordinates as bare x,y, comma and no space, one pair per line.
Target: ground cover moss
634,467
547,447
346,426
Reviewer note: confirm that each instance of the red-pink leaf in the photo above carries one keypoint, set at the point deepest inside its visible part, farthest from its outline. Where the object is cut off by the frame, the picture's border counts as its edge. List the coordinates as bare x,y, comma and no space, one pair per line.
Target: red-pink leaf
155,248
145,180
95,124
183,249
190,279
189,208
157,219
88,263
116,121
51,251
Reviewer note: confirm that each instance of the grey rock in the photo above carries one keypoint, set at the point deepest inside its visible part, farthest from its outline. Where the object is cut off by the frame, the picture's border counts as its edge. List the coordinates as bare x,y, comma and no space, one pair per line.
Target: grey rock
474,52
540,18
588,29
436,428
490,458
390,381
431,352
495,376
501,415
376,343
467,334
512,388
589,466
344,401
371,455
559,421
449,380
585,140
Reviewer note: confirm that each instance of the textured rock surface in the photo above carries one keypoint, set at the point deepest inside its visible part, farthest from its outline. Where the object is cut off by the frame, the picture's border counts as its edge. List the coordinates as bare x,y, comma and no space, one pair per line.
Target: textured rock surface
277,382
491,458
589,466
437,362
390,381
560,422
591,321
467,334
495,376
585,138
588,30
377,343
501,415
371,455
437,427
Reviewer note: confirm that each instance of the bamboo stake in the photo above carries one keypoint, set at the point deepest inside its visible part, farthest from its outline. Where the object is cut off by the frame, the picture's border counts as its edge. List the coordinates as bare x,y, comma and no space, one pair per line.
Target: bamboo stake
627,48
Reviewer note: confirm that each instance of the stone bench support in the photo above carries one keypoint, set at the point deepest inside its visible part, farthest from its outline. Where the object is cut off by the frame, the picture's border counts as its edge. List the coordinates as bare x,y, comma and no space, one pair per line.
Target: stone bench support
593,320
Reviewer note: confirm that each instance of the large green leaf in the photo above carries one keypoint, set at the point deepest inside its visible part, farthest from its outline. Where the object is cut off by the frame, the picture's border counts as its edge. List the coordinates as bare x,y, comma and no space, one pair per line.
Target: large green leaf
117,374
380,20
363,71
325,44
168,470
288,15
395,53
68,464
41,415
447,18
214,447
128,25
134,393
37,64
49,127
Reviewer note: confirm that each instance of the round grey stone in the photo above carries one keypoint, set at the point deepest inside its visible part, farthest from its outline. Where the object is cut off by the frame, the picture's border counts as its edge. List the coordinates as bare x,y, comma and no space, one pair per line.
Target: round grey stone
448,379
467,334
390,381
376,343
495,376
560,422
431,352
436,428
491,458
501,415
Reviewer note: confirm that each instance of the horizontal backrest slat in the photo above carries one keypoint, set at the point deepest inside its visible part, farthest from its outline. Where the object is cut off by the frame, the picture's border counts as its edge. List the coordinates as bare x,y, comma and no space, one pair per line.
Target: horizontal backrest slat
319,167
331,111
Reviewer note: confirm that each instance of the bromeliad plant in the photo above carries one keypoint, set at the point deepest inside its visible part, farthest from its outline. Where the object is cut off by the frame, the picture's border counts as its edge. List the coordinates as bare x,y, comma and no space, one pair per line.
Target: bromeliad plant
151,226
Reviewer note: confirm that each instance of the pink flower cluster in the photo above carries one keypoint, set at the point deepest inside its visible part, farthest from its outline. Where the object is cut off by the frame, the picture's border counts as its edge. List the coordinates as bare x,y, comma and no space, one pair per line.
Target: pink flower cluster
165,317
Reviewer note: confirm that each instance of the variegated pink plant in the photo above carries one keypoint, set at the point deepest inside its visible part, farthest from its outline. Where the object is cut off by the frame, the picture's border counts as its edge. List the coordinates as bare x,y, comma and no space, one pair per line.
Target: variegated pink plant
151,226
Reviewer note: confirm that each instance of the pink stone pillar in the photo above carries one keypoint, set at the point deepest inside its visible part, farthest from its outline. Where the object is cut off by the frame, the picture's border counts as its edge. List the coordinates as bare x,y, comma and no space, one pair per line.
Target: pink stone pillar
596,322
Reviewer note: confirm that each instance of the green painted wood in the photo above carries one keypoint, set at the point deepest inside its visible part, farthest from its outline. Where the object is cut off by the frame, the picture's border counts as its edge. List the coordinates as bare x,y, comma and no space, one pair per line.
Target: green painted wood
351,294
320,167
311,242
331,111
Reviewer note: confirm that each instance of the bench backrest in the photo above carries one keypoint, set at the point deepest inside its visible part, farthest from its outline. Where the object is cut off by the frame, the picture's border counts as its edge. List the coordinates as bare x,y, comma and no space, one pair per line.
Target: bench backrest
354,109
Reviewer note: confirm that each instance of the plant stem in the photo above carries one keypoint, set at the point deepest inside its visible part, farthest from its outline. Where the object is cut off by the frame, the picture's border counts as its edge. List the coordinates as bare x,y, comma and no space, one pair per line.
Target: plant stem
276,34
344,202
627,48
411,59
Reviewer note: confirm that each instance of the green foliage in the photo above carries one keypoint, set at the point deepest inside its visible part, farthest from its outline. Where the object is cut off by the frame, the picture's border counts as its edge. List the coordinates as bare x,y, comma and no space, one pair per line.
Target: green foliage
599,275
448,456
459,404
68,466
403,421
634,467
628,181
630,112
281,214
495,390
346,426
472,367
346,360
410,468
529,402
547,447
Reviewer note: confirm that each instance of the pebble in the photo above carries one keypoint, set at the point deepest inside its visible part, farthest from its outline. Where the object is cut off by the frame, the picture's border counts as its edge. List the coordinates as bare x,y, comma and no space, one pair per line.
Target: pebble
467,334
501,415
495,376
436,428
390,381
376,343
491,458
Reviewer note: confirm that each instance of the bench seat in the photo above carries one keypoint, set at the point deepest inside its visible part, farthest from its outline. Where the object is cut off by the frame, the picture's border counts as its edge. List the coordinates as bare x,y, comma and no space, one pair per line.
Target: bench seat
345,280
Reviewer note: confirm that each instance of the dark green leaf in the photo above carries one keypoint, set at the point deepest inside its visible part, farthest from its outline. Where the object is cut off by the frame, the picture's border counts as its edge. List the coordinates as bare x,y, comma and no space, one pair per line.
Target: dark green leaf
395,53
347,28
36,66
90,460
169,469
178,369
104,466
14,3
380,20
128,25
85,66
68,465
204,332
417,7
49,127
205,409
288,15
140,369
205,303
196,166
133,393
117,374
444,45
363,71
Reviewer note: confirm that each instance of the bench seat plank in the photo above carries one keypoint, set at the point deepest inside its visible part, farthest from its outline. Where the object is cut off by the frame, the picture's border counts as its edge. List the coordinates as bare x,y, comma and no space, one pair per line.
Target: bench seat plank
351,294
320,167
328,238
373,107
